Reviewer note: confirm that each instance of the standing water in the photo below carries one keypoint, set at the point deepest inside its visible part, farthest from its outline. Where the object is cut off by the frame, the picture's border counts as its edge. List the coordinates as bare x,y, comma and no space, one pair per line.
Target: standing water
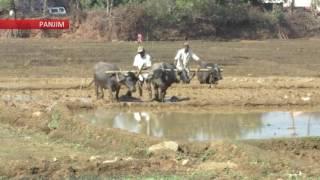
209,126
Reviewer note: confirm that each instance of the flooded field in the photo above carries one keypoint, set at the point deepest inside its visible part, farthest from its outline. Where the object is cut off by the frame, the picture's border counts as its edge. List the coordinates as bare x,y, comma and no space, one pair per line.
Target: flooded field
261,121
188,126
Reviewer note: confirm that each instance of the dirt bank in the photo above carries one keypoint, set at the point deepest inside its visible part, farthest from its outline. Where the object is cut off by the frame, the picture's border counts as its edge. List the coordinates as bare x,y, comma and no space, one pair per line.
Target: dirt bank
56,145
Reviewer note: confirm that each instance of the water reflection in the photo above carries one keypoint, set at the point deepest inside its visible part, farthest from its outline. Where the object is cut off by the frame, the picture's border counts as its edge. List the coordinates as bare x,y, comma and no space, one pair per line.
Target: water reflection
289,124
210,126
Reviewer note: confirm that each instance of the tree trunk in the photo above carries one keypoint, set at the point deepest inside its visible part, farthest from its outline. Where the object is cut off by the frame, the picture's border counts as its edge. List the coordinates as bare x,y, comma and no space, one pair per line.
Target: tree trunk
74,5
110,18
111,7
13,8
45,7
78,5
75,9
108,6
31,5
292,6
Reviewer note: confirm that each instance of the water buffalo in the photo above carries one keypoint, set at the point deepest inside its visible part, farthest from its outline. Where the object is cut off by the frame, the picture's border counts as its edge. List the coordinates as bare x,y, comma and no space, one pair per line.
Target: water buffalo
112,81
161,77
212,76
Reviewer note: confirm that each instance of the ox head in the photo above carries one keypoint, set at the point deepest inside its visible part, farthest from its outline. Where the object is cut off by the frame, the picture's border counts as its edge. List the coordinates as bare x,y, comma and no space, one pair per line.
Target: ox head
184,77
216,74
129,80
181,76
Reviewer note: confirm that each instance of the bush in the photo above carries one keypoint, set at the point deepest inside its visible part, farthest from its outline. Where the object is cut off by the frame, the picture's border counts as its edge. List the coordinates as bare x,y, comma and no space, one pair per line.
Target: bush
129,21
195,19
301,24
206,18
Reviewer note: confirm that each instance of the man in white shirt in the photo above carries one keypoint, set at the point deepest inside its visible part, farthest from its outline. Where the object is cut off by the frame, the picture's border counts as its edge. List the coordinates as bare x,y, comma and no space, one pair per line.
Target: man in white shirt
142,61
183,57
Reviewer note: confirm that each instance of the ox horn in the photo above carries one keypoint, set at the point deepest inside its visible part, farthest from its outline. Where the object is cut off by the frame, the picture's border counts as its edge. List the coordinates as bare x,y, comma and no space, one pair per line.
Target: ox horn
117,76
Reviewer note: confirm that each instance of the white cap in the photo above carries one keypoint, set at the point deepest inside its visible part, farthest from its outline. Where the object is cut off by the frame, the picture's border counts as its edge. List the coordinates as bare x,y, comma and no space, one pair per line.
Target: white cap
140,49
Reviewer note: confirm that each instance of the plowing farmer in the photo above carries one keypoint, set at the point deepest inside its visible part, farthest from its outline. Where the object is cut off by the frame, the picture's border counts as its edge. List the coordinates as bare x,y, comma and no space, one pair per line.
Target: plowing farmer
142,62
183,57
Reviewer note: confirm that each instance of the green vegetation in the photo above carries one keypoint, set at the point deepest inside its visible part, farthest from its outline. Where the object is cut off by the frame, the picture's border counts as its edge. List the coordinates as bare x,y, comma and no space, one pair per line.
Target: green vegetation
4,4
206,18
194,19
55,118
181,19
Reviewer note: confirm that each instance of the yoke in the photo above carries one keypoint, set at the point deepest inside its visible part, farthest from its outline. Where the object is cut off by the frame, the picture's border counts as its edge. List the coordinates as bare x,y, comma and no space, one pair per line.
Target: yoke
146,71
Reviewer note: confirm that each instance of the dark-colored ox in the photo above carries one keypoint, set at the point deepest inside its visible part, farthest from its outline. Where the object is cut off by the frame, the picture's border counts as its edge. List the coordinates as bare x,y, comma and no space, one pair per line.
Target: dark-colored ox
212,76
184,77
161,77
112,81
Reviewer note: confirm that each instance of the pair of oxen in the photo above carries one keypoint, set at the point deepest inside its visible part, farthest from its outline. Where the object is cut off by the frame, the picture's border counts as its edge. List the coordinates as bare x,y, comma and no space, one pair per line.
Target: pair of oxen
161,77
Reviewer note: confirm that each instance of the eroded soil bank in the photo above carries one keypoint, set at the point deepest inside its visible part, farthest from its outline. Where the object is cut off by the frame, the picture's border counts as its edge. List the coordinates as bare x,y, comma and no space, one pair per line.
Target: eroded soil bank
51,143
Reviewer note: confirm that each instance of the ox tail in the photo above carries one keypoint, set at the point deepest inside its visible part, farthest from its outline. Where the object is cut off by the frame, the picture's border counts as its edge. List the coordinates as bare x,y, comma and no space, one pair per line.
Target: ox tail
89,85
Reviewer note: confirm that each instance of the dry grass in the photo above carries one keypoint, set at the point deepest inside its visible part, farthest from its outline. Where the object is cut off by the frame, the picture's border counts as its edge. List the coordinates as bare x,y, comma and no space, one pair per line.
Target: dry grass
68,58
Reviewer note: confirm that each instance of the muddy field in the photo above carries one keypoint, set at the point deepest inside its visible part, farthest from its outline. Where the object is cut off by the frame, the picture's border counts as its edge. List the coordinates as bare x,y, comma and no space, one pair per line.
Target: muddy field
43,88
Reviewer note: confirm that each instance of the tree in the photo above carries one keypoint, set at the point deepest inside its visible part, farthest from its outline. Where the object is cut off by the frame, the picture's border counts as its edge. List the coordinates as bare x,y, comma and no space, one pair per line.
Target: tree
13,8
109,6
5,4
31,5
75,5
45,7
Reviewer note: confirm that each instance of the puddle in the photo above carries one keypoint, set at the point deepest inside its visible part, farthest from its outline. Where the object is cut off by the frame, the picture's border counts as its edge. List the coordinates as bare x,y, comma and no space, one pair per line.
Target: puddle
209,126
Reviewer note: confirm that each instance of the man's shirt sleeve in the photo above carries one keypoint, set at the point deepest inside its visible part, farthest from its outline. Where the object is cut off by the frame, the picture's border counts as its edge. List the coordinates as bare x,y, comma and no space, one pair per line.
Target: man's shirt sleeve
136,61
195,57
149,62
178,55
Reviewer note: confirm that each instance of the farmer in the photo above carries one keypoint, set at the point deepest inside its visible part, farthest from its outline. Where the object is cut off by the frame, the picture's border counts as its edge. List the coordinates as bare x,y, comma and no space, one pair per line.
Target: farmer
142,62
183,57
